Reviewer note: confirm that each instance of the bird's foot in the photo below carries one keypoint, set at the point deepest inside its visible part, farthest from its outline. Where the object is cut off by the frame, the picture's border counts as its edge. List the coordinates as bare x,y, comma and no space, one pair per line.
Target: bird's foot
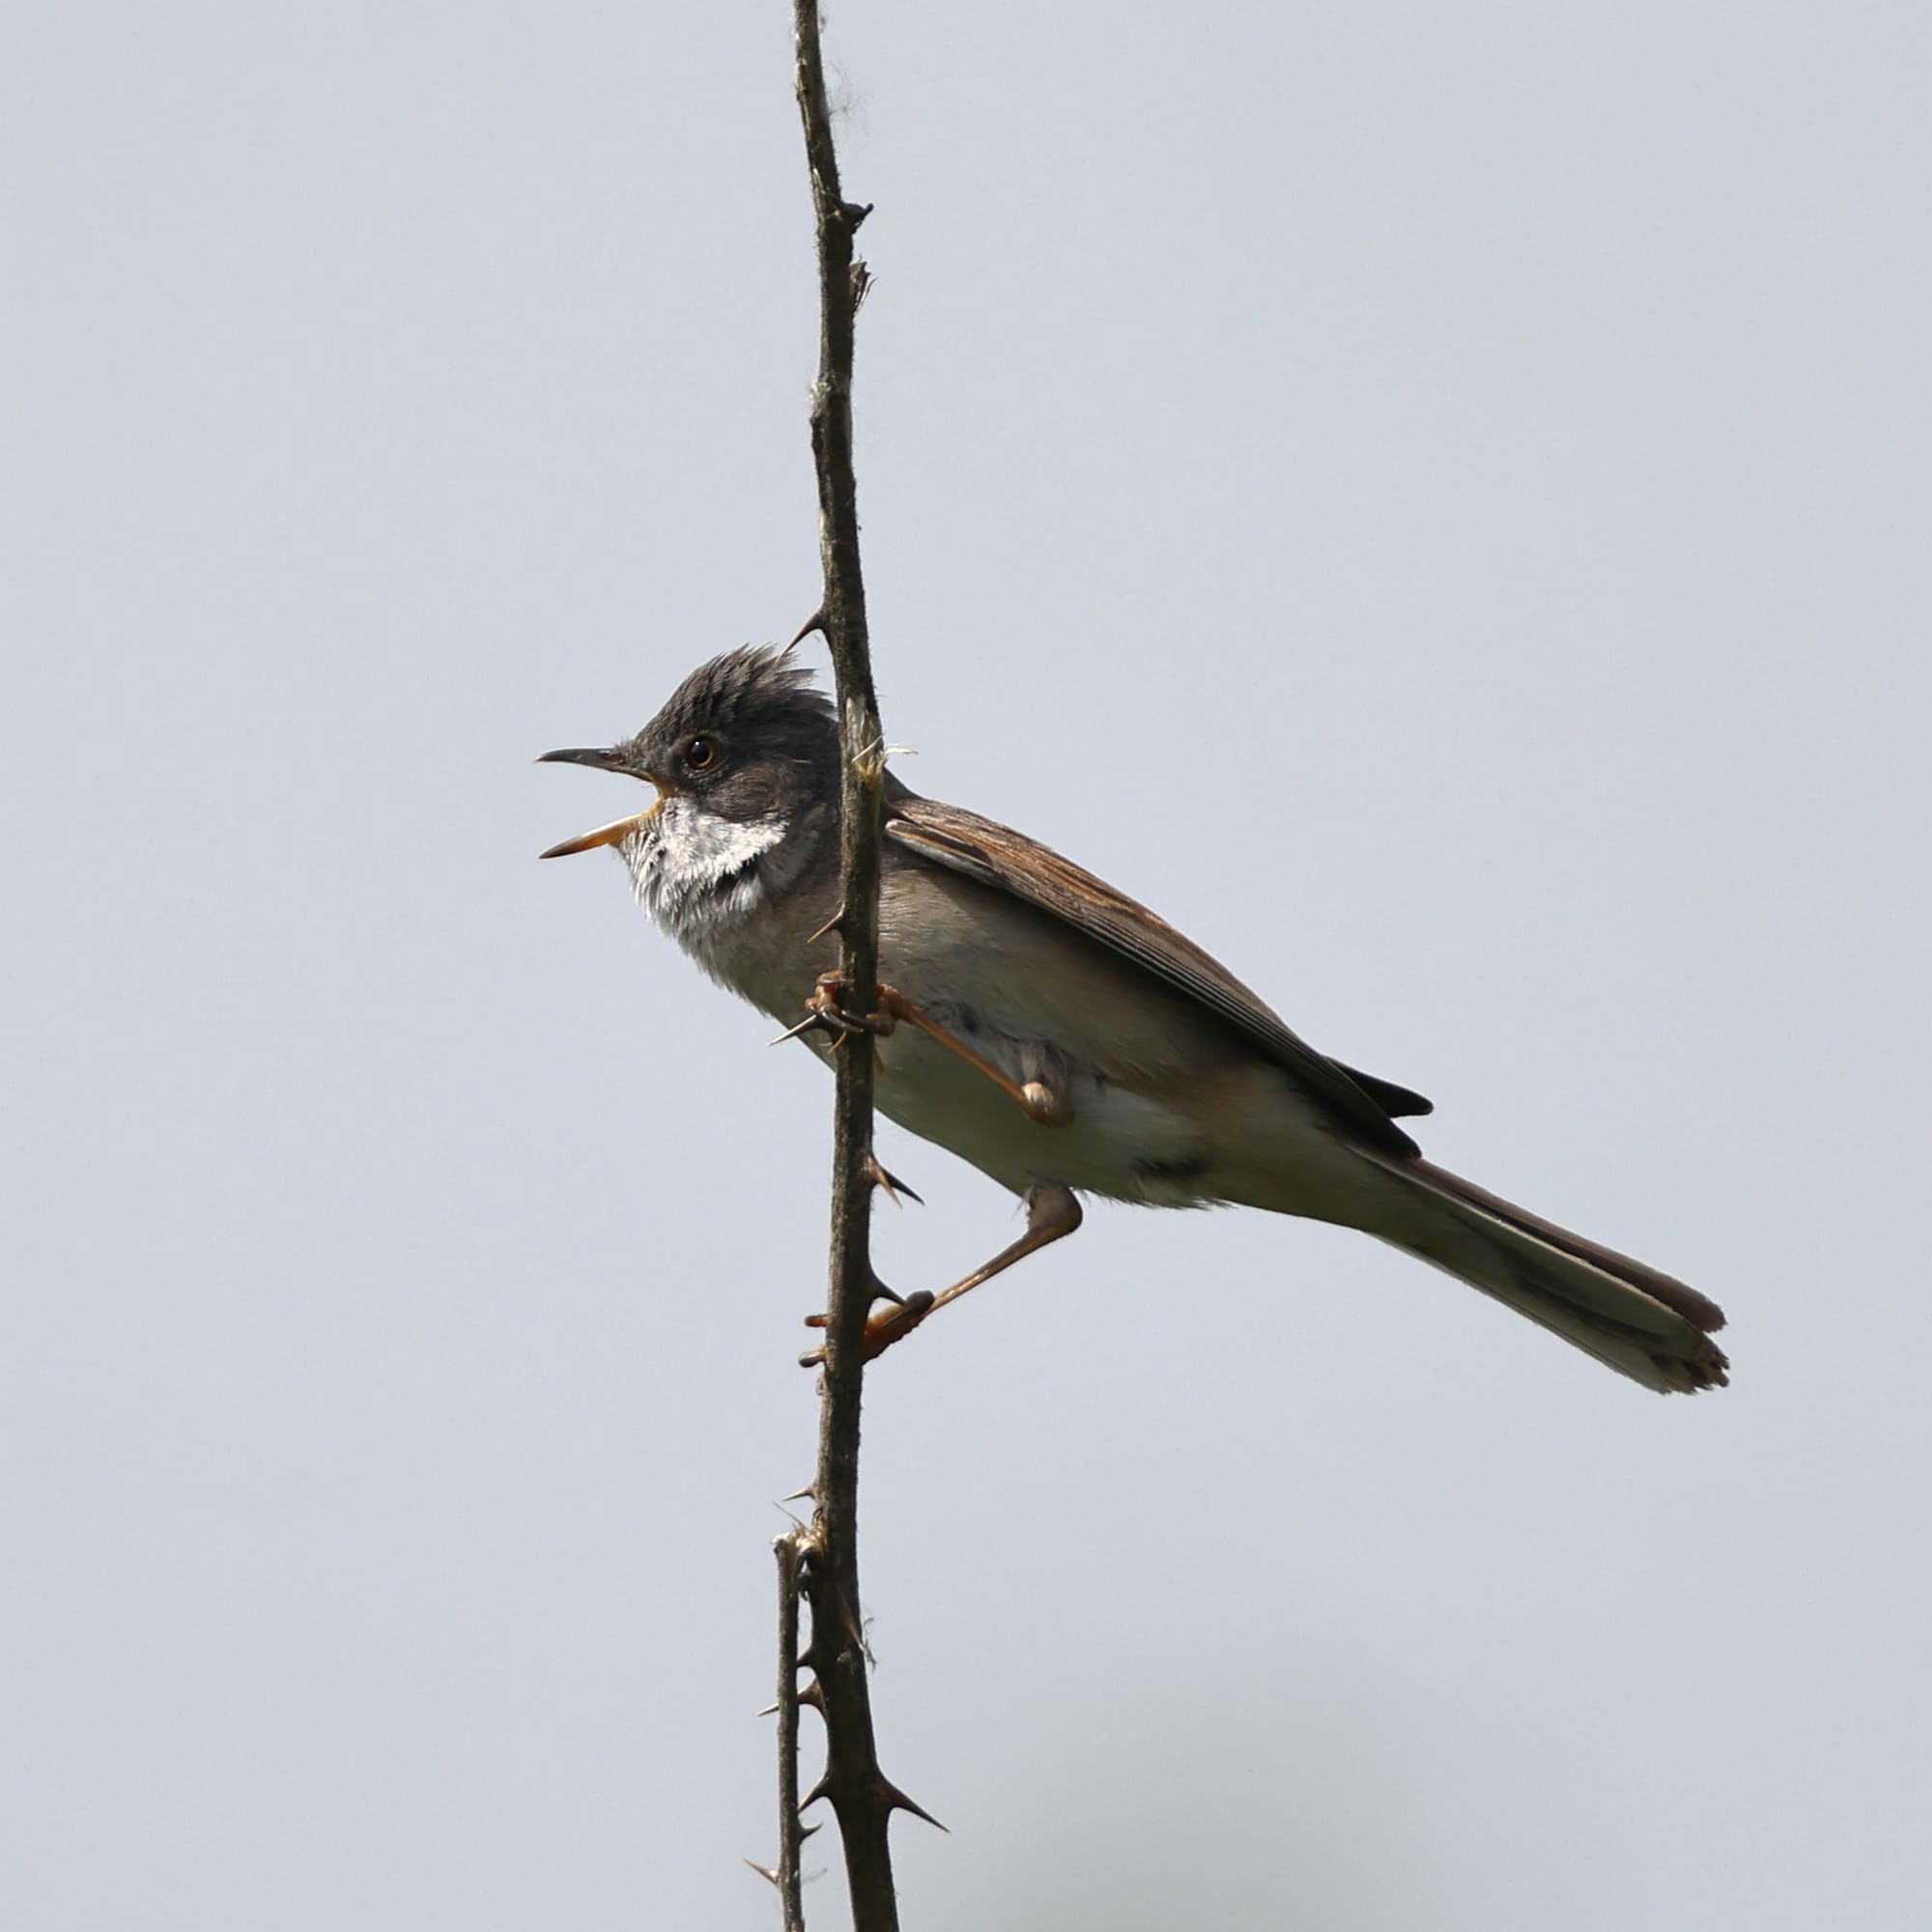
1052,1213
827,1006
882,1329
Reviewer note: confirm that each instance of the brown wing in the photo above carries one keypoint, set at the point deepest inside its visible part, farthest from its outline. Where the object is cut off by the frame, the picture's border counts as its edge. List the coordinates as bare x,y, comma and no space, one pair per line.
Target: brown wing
997,856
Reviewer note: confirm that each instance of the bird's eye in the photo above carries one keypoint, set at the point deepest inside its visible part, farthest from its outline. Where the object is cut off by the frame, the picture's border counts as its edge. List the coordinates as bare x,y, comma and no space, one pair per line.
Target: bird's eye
700,752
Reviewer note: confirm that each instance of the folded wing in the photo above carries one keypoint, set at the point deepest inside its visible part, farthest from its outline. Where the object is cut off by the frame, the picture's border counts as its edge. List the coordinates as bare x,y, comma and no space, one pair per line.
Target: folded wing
997,856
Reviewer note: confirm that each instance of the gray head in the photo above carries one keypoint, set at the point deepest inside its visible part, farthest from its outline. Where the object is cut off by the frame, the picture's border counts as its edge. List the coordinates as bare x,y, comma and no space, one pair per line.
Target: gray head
744,754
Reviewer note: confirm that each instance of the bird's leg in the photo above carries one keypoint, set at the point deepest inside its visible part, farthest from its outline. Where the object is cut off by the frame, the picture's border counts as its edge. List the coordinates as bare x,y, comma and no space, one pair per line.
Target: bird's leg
1051,1213
1051,1106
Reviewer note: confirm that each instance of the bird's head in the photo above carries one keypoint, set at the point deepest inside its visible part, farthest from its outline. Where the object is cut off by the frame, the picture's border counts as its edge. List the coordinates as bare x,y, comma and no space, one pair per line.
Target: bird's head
743,756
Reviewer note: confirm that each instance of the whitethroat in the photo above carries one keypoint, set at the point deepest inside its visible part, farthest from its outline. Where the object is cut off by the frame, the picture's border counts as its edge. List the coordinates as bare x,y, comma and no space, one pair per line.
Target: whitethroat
1060,1038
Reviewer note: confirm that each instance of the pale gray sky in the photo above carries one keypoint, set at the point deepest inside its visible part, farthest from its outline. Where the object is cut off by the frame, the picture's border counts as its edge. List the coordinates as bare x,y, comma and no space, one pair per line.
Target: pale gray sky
1434,499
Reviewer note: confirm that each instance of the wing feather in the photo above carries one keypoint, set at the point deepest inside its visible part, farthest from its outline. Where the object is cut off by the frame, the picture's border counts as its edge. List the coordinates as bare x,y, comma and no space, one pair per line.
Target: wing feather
997,856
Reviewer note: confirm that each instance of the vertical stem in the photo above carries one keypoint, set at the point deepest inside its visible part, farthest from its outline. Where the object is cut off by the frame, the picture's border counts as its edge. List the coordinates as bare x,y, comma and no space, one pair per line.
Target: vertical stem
859,1795
788,1876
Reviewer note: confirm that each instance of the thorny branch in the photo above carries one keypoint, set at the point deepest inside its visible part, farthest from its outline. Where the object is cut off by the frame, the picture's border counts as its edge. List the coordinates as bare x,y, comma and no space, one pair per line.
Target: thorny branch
788,1874
821,1563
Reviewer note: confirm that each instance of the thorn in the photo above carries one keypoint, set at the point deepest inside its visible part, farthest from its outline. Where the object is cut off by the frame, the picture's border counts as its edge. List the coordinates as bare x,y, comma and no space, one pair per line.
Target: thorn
815,622
890,1184
806,1025
806,1831
803,1495
770,1872
809,1659
822,1789
898,1800
812,1695
770,1711
836,924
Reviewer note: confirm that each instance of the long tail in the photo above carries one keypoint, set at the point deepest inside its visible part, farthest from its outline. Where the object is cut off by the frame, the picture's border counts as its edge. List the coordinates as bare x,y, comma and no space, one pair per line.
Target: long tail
1642,1323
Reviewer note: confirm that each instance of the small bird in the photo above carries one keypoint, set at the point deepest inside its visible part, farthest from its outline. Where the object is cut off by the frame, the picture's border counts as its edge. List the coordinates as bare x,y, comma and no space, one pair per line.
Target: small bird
1059,1036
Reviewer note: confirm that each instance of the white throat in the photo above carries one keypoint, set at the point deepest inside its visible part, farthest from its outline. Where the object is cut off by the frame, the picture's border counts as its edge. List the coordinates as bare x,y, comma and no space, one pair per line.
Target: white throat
700,875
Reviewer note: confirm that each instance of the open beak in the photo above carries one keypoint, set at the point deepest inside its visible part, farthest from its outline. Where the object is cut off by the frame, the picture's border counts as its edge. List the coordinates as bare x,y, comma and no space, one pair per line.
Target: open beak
605,835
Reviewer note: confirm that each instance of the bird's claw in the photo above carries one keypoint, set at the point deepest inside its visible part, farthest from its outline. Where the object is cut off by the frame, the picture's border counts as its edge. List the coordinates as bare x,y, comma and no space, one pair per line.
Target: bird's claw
827,1006
882,1330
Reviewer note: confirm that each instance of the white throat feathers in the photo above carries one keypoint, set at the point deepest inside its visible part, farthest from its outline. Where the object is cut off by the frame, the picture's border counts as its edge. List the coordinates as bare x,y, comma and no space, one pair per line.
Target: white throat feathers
699,876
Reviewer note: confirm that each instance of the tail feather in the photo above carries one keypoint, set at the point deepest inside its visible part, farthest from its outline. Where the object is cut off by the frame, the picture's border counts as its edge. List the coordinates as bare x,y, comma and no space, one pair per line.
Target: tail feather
1642,1323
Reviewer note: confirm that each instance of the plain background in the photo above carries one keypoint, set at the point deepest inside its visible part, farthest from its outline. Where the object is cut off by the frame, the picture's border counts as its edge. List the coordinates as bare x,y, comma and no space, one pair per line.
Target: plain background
1434,498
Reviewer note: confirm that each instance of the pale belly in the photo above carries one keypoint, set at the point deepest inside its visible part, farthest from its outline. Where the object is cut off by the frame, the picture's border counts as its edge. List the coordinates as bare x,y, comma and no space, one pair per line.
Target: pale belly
1119,1143
1229,1126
